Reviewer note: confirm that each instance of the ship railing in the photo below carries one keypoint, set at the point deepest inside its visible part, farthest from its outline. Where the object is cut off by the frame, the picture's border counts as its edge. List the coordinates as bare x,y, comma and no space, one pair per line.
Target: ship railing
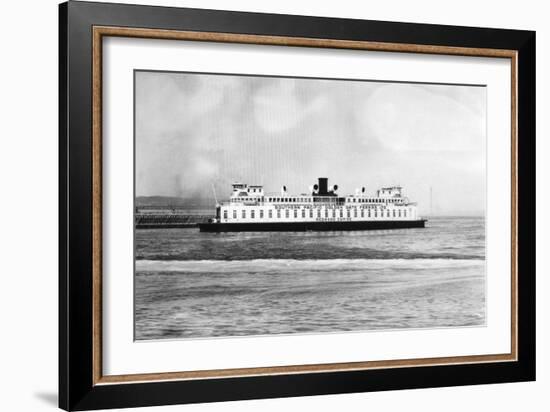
246,202
333,200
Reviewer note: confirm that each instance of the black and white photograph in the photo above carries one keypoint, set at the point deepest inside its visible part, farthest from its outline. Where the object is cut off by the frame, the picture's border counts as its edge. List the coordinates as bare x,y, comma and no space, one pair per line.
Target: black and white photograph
284,205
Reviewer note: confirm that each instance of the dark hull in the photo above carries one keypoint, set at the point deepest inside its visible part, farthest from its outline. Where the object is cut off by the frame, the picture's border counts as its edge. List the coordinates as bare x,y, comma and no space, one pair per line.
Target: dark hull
310,226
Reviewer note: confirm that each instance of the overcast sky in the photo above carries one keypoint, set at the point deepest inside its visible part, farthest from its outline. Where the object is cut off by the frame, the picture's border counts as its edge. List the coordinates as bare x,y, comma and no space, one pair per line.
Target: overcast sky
194,131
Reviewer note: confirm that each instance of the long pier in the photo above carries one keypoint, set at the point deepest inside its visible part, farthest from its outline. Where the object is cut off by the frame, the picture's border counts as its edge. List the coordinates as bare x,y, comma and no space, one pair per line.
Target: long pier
167,217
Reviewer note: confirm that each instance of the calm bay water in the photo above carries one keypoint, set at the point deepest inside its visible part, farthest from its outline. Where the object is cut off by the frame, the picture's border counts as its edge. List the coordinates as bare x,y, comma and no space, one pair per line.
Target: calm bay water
191,285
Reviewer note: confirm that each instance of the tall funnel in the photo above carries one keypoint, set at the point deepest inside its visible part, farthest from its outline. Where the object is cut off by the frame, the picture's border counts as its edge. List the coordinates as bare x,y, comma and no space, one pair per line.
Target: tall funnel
323,186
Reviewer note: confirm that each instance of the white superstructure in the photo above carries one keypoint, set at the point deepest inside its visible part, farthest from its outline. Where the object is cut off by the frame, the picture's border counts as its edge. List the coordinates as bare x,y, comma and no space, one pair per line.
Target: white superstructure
250,204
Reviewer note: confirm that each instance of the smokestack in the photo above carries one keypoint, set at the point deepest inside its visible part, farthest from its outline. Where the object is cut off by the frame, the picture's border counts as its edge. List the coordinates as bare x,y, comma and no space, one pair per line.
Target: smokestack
323,186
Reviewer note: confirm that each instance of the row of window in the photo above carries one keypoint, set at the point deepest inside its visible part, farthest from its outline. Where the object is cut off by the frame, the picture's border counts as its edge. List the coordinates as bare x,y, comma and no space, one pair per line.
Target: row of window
310,200
246,199
362,200
290,199
310,213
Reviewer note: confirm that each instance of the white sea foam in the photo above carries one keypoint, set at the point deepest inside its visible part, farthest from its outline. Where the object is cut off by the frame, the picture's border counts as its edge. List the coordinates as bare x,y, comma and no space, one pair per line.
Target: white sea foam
263,265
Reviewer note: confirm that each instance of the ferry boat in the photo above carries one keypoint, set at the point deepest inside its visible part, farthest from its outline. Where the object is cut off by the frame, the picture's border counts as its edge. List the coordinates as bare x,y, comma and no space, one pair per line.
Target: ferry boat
249,209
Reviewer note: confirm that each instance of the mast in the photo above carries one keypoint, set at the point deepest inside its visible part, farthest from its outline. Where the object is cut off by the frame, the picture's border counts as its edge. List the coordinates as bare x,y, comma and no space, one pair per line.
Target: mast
214,191
431,202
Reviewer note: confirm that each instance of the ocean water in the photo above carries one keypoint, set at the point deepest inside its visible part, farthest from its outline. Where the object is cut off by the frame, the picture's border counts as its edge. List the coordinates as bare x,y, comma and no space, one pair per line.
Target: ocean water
196,285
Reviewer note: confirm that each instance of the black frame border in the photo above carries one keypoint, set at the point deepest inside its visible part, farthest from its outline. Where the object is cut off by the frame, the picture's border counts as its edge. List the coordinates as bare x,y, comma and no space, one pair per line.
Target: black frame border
76,387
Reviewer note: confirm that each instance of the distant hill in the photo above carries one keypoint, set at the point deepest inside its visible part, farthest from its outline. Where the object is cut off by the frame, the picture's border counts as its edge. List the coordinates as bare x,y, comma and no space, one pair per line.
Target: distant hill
172,201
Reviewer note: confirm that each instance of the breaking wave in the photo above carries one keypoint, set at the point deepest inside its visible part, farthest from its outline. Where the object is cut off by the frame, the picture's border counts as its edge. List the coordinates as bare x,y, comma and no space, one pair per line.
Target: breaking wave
267,265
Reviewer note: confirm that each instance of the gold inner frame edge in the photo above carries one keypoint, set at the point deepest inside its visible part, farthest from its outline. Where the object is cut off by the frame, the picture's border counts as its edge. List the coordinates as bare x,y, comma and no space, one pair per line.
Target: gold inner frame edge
99,32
